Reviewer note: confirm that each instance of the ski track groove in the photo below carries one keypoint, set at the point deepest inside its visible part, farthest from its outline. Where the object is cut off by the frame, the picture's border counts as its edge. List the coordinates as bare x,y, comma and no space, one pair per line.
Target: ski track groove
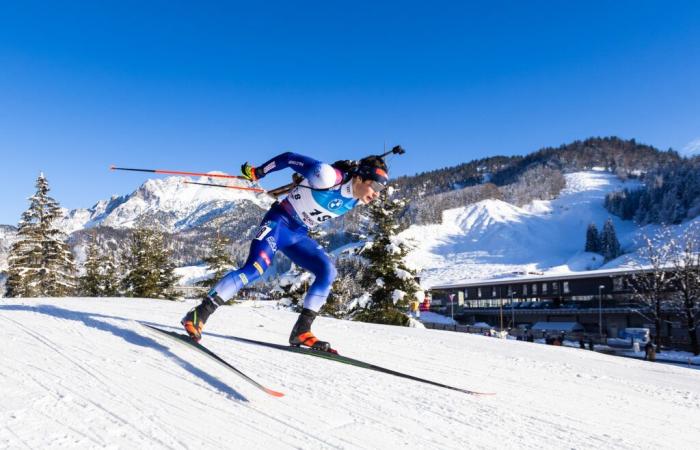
57,396
107,387
329,405
359,393
287,424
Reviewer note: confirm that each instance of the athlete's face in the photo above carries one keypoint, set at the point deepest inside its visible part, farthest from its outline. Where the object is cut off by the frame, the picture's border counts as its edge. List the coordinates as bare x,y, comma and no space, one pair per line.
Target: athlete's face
363,191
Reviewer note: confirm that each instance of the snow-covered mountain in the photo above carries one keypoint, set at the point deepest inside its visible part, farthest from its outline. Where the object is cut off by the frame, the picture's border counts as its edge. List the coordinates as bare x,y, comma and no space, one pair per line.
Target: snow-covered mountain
81,373
7,237
492,238
483,240
169,202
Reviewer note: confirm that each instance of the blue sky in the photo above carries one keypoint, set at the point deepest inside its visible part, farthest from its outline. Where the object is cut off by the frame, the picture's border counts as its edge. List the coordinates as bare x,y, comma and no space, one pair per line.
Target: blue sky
208,85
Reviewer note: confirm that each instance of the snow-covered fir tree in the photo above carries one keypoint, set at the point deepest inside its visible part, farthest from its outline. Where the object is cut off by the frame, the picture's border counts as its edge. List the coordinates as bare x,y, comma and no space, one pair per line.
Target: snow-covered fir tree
101,277
40,261
319,235
609,245
150,271
294,283
389,281
219,261
592,239
346,286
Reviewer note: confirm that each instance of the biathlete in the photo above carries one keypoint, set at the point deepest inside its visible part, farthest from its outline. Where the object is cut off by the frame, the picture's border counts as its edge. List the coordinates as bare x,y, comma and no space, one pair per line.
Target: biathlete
326,191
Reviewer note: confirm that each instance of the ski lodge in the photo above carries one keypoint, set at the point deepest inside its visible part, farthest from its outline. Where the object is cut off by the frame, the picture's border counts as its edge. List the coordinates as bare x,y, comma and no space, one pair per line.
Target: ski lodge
601,301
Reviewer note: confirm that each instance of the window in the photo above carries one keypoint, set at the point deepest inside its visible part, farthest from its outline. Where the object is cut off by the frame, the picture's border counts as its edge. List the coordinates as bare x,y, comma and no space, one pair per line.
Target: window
544,288
566,287
478,292
534,289
493,291
524,290
555,288
617,284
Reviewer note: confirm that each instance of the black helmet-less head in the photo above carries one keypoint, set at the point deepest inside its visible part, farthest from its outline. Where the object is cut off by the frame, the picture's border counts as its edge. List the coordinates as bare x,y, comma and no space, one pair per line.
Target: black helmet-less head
375,169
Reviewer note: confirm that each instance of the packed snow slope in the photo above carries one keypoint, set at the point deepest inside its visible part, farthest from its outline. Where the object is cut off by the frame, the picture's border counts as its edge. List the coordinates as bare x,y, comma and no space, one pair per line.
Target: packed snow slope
493,238
82,373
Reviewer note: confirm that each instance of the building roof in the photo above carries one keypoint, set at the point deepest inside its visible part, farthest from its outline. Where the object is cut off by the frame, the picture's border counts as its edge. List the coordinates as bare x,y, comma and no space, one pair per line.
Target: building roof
546,277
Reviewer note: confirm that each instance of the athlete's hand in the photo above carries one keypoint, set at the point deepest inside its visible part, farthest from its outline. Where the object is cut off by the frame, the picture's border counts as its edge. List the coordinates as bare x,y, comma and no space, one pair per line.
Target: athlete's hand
251,173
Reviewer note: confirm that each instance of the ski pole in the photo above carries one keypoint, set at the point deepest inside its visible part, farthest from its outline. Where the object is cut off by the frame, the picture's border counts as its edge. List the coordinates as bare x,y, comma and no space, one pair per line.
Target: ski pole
177,172
226,186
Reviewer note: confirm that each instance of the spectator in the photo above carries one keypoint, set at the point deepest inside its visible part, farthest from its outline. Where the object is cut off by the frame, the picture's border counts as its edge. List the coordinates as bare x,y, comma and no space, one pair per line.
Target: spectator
650,350
581,344
590,345
414,309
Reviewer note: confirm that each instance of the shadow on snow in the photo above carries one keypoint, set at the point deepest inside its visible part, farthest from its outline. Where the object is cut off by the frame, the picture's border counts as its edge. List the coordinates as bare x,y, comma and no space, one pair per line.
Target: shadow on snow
92,320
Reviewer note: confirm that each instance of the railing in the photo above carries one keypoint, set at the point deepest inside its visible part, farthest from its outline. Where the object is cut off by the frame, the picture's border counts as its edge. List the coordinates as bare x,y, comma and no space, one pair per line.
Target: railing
548,311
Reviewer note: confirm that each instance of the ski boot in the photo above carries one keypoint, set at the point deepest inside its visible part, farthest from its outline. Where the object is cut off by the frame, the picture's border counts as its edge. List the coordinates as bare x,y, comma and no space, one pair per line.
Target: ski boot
302,335
195,319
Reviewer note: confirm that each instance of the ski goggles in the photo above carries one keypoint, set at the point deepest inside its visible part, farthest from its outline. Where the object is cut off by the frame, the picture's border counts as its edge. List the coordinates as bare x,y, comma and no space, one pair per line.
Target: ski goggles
377,186
378,178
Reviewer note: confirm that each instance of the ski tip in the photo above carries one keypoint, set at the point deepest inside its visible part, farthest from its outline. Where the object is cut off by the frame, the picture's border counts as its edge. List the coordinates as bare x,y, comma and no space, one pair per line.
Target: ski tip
274,393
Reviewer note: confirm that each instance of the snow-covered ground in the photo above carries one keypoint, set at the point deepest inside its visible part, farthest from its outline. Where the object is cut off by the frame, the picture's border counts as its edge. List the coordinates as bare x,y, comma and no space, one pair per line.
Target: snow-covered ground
81,373
493,238
431,317
191,275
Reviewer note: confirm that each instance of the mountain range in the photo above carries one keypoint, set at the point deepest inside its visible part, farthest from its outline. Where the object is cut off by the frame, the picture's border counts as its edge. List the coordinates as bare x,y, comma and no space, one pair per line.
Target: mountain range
473,231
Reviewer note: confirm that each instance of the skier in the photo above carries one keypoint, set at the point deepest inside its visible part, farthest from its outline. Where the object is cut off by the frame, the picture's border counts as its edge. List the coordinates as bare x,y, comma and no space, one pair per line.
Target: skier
326,191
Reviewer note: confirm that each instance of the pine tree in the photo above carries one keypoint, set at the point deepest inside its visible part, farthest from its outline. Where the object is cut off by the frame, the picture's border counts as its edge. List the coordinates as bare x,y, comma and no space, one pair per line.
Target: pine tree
391,283
40,261
149,266
90,284
101,278
294,284
219,260
592,239
610,246
319,235
111,274
346,286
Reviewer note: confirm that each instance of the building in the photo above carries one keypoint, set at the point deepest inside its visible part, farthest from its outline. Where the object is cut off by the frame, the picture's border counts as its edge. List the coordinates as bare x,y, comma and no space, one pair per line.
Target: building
600,300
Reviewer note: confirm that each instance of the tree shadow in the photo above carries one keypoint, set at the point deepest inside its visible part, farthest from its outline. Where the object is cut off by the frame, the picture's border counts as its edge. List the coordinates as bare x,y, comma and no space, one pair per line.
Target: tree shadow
92,320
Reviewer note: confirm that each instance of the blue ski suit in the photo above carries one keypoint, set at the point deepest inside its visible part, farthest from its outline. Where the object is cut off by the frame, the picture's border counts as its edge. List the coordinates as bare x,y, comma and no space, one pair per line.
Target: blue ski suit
324,193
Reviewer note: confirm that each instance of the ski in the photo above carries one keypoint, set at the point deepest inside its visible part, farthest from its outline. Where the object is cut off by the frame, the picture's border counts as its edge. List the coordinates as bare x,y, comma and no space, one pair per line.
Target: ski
186,340
353,362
